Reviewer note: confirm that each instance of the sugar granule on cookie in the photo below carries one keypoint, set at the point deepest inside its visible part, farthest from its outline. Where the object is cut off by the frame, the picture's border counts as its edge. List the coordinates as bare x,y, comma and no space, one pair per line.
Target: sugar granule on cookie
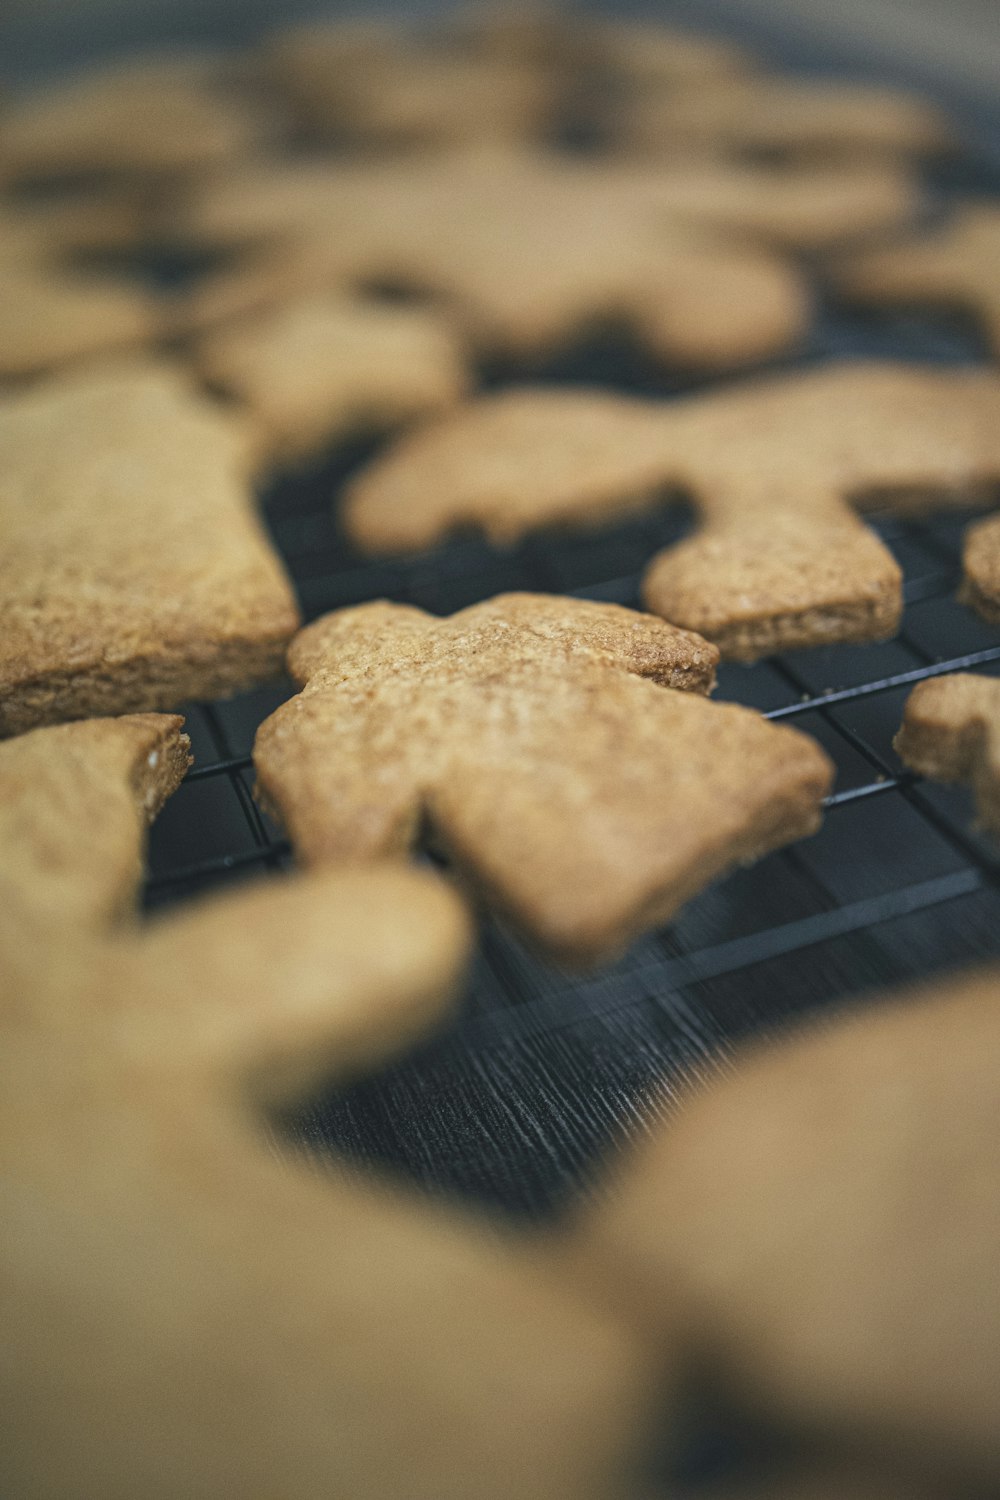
326,367
951,732
774,468
561,750
134,573
819,1229
957,264
169,1282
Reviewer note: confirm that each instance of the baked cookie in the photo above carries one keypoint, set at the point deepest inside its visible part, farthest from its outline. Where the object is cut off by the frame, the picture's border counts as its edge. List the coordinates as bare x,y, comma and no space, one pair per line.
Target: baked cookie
42,234
800,120
956,264
584,802
774,467
328,366
376,85
518,249
147,114
819,1229
645,54
185,1313
981,569
375,216
133,571
75,800
531,33
51,317
950,733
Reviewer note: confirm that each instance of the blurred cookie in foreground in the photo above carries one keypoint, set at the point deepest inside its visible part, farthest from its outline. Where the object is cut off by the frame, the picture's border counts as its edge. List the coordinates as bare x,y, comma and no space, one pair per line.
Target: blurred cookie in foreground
134,573
330,367
50,318
185,1311
817,1230
951,732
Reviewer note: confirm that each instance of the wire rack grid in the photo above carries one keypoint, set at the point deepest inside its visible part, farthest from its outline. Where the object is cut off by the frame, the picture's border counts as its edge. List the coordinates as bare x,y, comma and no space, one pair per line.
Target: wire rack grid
516,1102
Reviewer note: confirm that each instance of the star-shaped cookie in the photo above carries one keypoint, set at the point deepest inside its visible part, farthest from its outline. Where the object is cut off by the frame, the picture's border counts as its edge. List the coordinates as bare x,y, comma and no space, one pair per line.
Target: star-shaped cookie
187,1314
775,468
561,750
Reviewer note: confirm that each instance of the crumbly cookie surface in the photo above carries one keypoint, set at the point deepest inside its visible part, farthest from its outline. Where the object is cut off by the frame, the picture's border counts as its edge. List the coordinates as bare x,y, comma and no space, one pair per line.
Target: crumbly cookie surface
546,744
774,468
133,571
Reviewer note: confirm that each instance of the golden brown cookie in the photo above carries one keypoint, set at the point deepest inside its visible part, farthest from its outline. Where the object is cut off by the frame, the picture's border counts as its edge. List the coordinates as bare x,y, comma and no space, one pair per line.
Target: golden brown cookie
142,115
951,732
584,802
43,233
774,467
646,54
375,216
981,569
328,366
797,119
75,800
519,251
51,317
186,1313
529,32
381,86
956,264
133,571
819,1228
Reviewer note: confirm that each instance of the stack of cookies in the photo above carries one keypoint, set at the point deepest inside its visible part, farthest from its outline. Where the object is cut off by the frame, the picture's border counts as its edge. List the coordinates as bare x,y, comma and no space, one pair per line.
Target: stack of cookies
216,270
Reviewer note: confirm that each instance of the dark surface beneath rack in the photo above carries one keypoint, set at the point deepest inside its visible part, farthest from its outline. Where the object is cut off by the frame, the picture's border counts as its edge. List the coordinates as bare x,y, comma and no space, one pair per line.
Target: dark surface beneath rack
518,1101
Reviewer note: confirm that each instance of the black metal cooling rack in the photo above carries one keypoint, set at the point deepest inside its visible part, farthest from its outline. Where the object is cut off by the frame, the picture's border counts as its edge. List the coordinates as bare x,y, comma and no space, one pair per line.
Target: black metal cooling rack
517,1101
